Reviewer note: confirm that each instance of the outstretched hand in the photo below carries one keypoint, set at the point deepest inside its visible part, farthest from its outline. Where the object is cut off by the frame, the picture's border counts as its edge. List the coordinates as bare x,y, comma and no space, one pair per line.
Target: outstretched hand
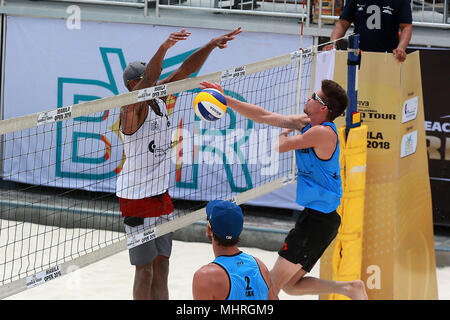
209,85
176,36
221,42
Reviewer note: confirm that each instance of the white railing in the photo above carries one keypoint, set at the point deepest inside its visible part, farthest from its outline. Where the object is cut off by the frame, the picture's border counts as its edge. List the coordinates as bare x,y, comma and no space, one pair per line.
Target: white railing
431,11
426,13
275,8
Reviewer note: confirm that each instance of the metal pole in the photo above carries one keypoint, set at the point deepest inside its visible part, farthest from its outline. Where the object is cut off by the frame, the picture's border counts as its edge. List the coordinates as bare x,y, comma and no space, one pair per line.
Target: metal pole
445,18
297,110
352,82
308,9
319,14
157,8
2,83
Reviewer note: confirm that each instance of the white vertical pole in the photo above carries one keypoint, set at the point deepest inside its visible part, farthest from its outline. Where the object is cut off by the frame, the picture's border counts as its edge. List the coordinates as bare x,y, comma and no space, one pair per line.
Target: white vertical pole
2,82
297,109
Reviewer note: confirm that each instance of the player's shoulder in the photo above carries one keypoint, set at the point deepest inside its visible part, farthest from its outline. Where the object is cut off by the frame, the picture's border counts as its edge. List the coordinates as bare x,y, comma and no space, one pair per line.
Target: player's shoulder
211,272
211,282
322,129
258,261
263,268
321,134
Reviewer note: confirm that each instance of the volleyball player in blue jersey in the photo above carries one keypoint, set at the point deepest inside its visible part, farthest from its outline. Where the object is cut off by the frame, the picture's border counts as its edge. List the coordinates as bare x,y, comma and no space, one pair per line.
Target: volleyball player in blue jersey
233,275
319,188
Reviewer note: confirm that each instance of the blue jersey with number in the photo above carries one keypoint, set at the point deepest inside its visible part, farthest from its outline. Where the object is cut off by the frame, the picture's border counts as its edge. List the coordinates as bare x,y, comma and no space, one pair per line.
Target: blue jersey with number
319,184
246,280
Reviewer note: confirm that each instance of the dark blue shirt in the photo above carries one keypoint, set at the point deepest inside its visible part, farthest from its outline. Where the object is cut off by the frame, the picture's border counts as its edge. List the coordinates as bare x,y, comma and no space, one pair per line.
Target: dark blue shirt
377,22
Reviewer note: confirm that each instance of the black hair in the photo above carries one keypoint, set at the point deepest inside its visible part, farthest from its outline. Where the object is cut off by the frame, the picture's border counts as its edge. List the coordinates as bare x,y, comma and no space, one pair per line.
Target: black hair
225,242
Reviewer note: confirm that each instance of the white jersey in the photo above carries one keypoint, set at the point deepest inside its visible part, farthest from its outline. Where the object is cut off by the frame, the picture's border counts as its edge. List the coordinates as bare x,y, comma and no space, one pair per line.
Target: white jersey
146,171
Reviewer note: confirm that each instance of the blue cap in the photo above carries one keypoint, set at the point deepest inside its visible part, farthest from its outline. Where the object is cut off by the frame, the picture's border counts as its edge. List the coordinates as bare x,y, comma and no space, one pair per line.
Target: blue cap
225,219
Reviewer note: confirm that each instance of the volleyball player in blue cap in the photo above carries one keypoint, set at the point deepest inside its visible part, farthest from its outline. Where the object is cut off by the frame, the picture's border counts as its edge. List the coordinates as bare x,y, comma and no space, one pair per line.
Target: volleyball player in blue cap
233,275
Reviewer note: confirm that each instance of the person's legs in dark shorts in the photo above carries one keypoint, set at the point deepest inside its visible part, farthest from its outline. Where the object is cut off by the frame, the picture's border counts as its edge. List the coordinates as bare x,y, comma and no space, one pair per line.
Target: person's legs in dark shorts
303,247
312,234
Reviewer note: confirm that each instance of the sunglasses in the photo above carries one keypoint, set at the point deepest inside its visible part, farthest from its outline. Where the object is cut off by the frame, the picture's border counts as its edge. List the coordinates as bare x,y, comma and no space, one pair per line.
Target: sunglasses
316,97
141,77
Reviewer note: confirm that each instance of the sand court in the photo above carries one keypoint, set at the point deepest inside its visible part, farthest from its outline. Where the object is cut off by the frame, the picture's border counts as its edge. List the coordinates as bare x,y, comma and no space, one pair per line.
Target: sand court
112,278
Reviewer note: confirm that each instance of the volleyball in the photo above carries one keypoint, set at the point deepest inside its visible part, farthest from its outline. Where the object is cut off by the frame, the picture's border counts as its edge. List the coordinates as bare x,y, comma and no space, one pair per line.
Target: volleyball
210,105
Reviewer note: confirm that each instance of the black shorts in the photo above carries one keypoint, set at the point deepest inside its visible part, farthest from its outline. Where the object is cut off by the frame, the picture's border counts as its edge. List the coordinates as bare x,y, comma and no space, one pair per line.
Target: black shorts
312,234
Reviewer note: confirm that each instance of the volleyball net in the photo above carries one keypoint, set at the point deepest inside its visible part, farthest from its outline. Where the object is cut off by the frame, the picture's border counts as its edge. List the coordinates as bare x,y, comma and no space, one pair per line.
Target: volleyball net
58,207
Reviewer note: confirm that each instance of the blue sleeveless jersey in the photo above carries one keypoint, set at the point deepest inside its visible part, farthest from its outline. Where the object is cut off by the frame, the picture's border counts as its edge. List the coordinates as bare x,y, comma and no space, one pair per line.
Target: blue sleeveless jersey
319,184
246,280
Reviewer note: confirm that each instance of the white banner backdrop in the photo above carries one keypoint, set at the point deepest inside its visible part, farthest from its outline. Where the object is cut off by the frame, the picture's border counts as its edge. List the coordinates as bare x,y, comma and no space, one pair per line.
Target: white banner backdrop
49,66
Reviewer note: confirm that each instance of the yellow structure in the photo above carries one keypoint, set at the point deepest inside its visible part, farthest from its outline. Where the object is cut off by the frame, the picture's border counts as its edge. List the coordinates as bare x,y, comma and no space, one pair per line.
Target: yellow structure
398,259
347,253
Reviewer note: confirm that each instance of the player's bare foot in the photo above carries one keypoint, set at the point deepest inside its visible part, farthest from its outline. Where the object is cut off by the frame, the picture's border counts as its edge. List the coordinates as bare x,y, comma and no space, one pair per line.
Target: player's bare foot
356,290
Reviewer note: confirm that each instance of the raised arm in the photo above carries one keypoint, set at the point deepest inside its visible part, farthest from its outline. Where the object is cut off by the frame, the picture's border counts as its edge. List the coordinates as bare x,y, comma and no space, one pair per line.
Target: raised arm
132,116
321,138
261,115
154,66
194,62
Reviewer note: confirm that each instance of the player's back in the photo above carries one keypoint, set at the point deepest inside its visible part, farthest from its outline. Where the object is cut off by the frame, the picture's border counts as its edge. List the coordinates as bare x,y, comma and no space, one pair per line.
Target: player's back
246,280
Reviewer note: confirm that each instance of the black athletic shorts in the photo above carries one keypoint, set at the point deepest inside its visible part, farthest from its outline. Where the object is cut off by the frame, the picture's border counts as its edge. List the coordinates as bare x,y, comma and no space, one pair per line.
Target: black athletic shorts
312,234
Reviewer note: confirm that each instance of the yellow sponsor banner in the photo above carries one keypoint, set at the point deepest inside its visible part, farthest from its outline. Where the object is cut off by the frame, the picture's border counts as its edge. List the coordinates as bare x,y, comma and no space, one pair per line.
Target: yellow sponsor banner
398,259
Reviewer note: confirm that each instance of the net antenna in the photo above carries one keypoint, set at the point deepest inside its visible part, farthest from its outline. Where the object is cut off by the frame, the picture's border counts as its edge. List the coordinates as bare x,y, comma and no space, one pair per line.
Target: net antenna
352,117
58,208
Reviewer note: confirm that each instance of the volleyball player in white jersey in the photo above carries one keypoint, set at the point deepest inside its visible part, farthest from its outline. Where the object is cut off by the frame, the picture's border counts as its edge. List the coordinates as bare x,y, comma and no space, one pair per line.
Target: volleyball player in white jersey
144,180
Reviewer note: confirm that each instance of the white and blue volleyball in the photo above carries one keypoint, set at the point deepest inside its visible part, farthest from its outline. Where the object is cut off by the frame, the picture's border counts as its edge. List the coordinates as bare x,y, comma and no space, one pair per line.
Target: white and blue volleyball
210,105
